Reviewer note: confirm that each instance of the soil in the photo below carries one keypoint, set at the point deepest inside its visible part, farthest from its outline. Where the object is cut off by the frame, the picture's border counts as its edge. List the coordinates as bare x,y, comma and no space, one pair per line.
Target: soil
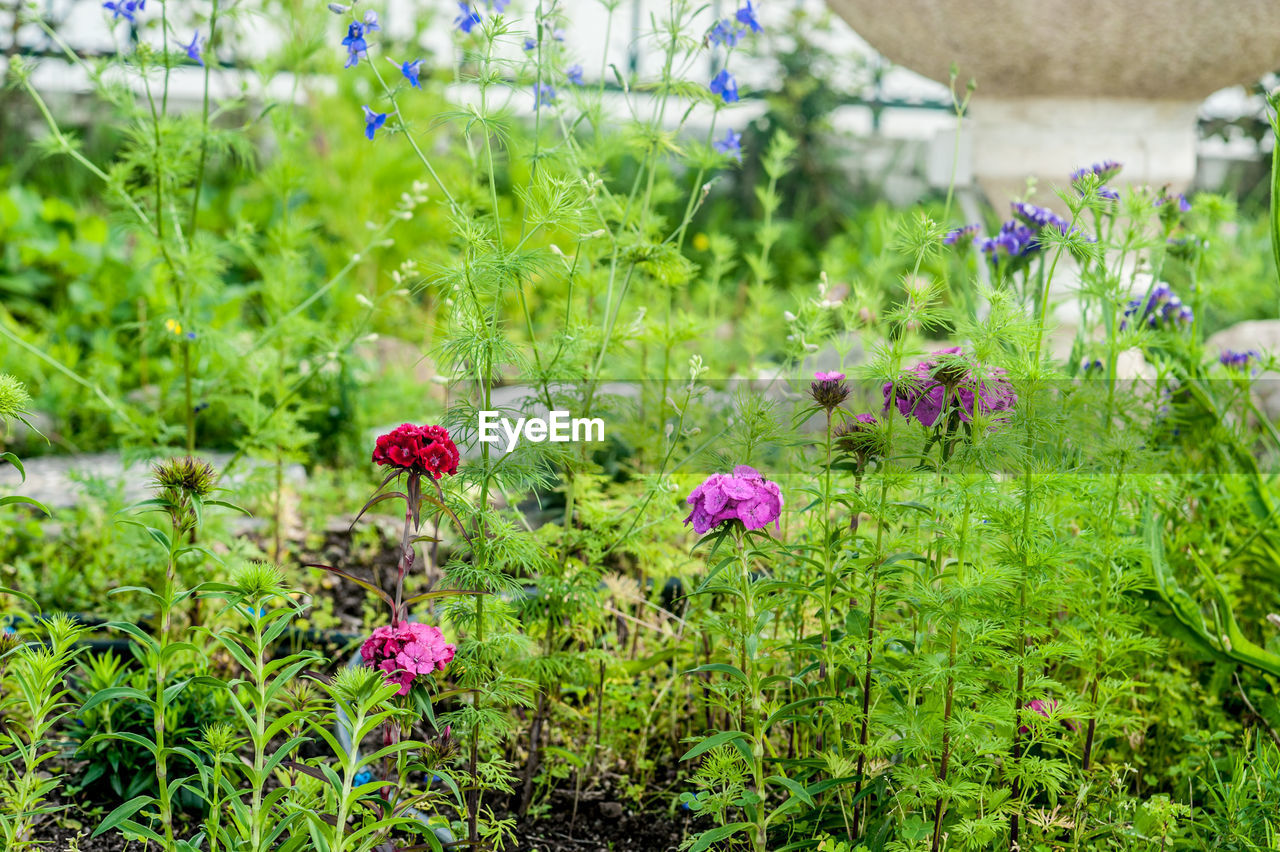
598,825
602,824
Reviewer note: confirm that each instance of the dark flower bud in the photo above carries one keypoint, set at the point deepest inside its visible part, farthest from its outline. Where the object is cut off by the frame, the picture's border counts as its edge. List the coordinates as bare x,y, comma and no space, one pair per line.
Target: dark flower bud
829,390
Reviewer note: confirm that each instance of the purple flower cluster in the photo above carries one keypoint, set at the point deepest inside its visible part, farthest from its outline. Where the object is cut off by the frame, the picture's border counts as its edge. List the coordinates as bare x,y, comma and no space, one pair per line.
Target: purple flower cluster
961,236
1184,206
1038,218
1233,360
1104,171
1019,238
743,495
1014,240
945,384
1162,309
1089,365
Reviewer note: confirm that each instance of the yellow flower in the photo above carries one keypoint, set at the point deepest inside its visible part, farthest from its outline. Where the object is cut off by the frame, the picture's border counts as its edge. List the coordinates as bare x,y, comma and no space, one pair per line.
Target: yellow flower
700,242
173,326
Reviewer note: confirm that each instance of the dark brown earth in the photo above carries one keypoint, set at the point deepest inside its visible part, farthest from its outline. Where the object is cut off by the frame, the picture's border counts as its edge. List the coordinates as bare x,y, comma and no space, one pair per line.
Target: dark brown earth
598,825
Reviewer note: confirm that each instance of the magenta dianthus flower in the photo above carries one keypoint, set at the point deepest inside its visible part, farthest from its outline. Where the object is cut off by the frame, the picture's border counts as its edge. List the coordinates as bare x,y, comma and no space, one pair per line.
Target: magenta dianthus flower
405,651
945,383
743,495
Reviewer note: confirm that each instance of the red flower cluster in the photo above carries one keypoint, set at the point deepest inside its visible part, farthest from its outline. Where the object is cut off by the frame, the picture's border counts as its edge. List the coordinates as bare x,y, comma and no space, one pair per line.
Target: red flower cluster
421,449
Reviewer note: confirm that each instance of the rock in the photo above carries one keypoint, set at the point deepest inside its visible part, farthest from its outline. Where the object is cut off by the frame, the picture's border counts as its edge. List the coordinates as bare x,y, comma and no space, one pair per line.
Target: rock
1116,50
1064,84
64,481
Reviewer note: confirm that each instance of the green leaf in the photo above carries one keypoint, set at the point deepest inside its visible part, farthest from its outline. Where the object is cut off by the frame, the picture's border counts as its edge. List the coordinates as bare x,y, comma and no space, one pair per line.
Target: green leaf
713,741
123,813
114,693
16,462
723,668
794,787
30,501
715,835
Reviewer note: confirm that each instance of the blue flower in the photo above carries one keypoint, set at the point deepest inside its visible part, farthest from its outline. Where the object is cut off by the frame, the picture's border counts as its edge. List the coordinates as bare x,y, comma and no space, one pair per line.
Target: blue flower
1089,365
557,34
730,145
467,18
364,776
529,44
725,86
372,121
122,9
498,6
410,70
371,21
354,43
747,17
543,94
724,32
193,49
1108,193
1184,205
574,73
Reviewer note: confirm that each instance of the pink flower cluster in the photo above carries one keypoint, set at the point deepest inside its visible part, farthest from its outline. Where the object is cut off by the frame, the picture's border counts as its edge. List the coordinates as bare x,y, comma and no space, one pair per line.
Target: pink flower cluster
424,449
744,495
946,382
405,650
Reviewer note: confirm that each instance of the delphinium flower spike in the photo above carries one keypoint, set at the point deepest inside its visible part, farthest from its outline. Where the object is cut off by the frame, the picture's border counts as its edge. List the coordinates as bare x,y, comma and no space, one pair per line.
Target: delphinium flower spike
543,93
467,18
730,145
193,49
355,44
373,121
725,86
412,71
126,9
747,17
